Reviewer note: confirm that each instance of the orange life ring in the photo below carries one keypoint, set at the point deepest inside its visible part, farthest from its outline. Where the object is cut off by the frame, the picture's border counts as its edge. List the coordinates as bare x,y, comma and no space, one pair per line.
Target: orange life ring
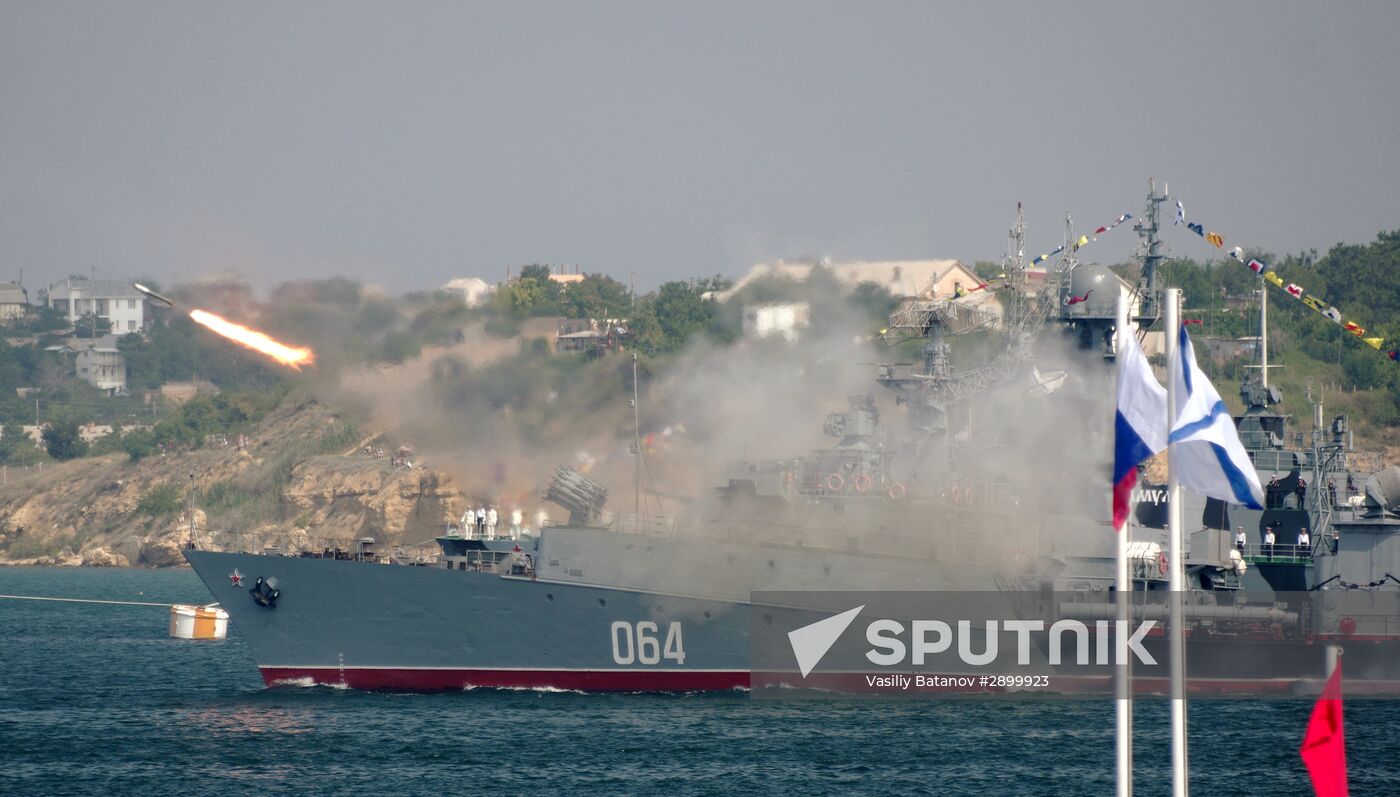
862,483
896,491
1162,563
967,496
835,482
957,495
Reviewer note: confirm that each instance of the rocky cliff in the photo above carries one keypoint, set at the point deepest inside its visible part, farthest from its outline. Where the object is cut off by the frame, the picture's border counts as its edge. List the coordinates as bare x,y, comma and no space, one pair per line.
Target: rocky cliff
301,481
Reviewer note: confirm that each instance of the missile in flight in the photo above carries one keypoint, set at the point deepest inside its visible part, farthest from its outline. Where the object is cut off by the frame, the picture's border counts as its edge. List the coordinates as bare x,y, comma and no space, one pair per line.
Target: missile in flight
152,294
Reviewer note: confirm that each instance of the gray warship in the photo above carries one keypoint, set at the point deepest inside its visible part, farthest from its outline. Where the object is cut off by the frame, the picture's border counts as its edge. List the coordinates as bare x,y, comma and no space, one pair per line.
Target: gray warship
618,602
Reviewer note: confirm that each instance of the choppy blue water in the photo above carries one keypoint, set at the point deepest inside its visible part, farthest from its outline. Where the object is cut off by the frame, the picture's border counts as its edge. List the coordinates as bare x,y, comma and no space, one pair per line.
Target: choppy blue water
97,700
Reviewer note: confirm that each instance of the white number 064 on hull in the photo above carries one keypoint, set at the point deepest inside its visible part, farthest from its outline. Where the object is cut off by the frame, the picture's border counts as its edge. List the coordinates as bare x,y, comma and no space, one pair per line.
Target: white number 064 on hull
640,643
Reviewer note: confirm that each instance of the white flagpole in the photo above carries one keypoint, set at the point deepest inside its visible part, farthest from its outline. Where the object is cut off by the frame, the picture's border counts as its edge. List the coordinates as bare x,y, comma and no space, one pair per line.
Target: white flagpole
1123,702
1180,787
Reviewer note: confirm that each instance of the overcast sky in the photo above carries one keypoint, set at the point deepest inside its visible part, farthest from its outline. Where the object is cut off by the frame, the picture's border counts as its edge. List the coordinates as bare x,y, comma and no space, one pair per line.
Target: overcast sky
403,144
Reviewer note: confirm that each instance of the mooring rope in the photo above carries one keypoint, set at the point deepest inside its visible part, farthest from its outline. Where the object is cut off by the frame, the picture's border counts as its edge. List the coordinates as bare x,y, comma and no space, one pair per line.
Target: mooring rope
82,600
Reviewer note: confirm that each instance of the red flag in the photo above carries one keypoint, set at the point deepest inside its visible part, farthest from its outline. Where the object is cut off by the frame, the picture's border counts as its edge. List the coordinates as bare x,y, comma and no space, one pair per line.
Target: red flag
1324,747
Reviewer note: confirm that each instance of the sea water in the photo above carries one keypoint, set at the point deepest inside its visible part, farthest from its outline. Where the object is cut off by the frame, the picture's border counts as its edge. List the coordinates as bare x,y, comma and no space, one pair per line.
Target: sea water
98,700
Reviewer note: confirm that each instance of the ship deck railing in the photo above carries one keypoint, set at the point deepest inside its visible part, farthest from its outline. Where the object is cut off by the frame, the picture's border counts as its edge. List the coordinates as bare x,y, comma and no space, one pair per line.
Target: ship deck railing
502,532
1285,460
479,561
1276,554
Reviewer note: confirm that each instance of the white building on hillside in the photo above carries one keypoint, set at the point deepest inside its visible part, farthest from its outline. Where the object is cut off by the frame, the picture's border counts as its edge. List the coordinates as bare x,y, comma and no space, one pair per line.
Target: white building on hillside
113,300
776,320
101,365
13,301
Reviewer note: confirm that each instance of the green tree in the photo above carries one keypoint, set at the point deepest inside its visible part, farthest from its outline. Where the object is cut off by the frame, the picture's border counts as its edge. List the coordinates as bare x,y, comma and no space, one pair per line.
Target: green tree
714,284
644,331
12,372
986,269
62,440
529,296
1366,370
595,296
536,272
40,319
680,312
9,443
17,449
162,500
138,444
92,326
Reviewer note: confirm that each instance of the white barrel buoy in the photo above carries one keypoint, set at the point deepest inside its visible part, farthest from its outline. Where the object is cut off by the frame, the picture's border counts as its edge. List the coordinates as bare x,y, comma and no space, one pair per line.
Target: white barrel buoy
198,622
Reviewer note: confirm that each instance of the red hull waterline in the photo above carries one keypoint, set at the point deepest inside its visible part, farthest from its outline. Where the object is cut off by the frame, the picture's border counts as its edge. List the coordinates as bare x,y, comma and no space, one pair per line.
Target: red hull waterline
396,679
401,679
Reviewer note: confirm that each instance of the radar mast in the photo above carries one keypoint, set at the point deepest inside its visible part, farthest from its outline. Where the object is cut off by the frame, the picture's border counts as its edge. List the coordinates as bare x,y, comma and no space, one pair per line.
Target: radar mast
1152,250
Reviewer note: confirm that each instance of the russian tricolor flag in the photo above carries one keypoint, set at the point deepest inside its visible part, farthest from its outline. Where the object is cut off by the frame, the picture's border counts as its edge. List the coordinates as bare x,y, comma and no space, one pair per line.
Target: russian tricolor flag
1140,428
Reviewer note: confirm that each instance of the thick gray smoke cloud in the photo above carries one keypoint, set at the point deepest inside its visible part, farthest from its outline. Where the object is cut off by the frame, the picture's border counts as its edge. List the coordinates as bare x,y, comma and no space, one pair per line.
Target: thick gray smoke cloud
500,415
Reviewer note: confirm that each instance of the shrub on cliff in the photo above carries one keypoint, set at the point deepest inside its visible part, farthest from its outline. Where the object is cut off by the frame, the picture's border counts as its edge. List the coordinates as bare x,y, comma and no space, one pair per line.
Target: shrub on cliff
161,500
62,440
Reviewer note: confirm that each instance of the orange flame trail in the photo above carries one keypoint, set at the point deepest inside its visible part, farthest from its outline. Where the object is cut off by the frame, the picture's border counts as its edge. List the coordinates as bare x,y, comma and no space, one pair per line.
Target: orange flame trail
290,356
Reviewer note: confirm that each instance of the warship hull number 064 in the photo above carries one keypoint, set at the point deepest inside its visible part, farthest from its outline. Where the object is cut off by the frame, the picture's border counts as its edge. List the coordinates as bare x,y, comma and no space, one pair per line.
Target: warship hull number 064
616,602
